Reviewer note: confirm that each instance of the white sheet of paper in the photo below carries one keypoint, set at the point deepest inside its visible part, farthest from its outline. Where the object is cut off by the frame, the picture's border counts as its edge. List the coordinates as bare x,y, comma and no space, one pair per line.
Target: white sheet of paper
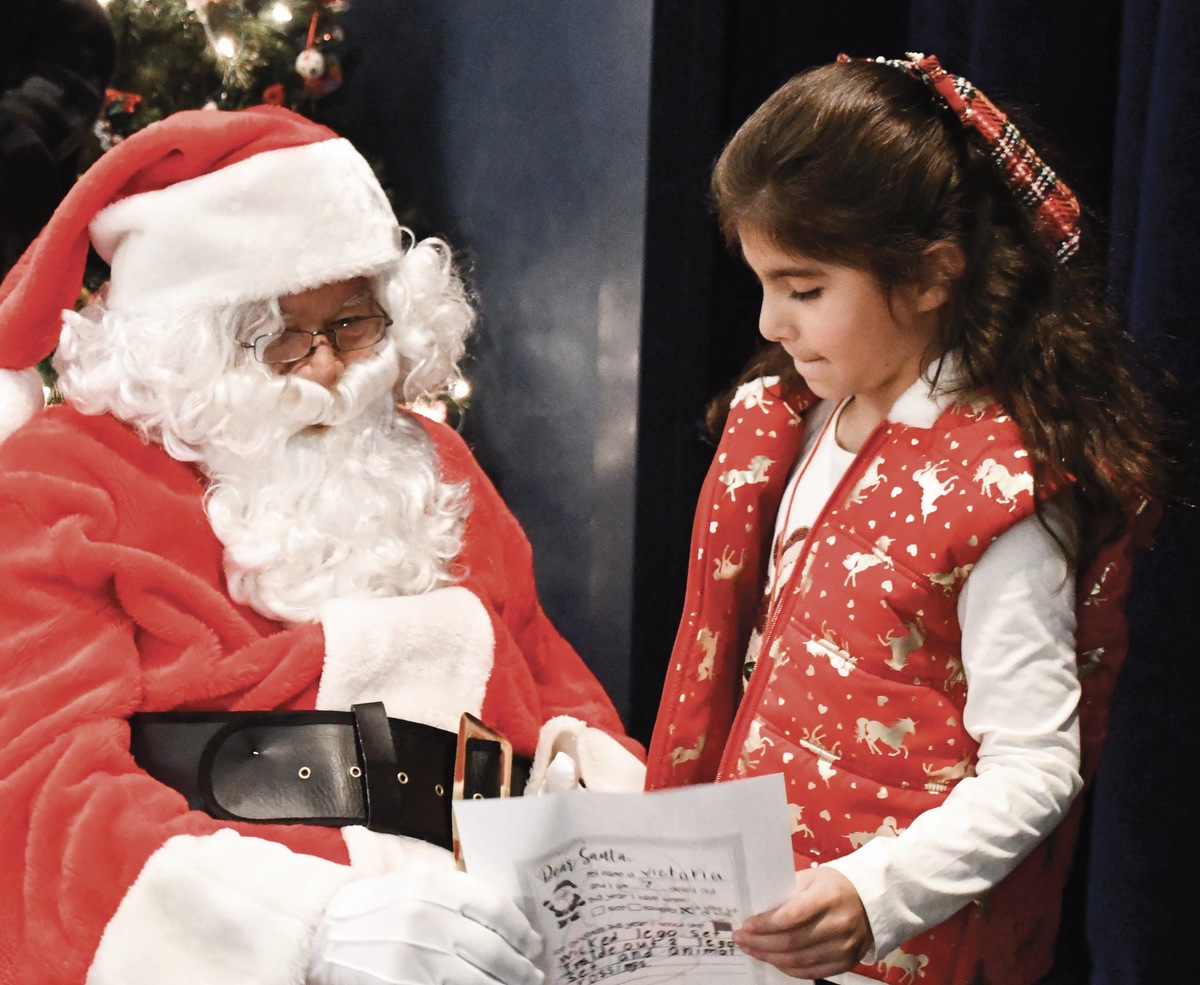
638,889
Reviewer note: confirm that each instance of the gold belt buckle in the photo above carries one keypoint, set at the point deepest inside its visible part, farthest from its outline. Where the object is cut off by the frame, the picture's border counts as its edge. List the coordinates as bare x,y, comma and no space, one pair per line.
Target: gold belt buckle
470,727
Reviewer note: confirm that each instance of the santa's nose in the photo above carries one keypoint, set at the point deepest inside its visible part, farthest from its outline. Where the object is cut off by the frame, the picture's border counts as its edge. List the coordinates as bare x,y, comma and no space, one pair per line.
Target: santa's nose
323,365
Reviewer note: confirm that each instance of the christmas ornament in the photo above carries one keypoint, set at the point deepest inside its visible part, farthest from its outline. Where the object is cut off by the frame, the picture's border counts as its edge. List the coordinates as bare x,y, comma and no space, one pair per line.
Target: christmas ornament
310,64
116,101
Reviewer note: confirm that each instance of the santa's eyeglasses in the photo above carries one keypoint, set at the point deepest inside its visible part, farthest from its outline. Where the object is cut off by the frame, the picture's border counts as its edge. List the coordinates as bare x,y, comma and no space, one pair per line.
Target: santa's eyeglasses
344,335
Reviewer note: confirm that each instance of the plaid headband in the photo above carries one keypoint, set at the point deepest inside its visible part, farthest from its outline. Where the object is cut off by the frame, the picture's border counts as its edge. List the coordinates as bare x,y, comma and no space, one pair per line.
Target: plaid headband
1053,206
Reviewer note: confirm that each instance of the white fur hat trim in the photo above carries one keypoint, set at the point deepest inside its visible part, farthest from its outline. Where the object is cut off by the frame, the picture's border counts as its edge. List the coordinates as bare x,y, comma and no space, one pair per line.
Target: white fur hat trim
276,223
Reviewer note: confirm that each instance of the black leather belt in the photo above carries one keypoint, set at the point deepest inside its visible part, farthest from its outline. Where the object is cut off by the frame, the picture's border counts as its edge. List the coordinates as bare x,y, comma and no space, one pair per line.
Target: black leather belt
331,768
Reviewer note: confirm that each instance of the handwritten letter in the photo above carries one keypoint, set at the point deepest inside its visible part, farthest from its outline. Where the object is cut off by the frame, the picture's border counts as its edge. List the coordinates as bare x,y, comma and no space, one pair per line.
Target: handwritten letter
638,888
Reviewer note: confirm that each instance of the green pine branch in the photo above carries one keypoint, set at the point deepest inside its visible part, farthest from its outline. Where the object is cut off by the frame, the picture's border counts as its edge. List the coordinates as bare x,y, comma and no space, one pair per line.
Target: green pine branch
166,59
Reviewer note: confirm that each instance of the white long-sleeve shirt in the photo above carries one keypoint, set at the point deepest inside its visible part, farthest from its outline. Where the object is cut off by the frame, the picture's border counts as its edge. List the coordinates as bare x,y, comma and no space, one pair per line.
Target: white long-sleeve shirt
1017,614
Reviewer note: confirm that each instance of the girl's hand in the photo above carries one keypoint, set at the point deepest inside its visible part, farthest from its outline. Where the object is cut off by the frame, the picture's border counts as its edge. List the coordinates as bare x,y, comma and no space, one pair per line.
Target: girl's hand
821,931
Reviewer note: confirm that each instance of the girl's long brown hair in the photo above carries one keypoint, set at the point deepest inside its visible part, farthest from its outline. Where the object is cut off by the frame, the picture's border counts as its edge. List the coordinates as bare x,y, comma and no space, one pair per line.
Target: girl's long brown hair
857,163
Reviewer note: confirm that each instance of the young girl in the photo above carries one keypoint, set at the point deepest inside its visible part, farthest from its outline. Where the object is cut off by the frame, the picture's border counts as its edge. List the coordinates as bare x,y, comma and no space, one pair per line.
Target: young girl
911,553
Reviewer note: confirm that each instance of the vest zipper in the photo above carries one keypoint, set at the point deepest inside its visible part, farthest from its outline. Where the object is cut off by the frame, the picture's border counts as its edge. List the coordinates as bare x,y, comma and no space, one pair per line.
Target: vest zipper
756,685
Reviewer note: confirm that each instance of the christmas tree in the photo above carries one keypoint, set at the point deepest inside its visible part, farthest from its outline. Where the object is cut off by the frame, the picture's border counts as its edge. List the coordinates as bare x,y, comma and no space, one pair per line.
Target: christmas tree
219,54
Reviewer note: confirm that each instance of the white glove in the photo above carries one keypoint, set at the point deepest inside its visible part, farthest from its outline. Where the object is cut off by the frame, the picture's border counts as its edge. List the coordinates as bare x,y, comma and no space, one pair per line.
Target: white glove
562,774
571,754
423,925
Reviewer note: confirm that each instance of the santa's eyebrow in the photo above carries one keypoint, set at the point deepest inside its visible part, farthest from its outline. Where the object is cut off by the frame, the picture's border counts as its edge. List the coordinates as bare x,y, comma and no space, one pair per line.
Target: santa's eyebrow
366,294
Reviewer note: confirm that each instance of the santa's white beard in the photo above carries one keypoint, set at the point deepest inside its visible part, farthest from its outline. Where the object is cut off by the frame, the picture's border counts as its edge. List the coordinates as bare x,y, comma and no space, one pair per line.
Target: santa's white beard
319,493
315,493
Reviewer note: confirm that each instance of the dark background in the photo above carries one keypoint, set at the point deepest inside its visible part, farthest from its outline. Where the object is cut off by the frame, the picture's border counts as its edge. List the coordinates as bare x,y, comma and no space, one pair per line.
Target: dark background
564,148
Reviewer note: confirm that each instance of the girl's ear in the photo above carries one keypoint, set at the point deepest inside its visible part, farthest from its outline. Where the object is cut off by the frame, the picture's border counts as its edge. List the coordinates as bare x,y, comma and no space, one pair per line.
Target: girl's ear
944,265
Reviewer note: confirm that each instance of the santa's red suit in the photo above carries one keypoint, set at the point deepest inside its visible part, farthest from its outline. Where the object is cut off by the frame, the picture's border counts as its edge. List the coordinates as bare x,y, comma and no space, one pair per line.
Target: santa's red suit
116,602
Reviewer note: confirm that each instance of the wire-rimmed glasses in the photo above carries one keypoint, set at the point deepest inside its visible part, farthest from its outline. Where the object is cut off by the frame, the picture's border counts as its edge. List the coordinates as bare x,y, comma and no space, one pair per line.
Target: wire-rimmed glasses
344,335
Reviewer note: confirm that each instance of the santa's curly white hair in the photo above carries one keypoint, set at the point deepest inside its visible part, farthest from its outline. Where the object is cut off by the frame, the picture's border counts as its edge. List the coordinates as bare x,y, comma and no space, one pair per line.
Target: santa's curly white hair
316,493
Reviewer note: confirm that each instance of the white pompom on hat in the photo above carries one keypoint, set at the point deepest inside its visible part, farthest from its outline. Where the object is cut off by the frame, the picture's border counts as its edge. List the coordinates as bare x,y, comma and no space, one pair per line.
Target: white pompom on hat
22,395
202,209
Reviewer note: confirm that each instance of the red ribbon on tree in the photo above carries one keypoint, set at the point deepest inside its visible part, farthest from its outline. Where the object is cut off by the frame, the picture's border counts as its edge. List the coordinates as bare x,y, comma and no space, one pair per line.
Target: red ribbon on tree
126,102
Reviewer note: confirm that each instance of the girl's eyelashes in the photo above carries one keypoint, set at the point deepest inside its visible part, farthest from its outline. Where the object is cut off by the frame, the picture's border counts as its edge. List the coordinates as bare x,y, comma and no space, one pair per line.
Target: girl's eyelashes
810,295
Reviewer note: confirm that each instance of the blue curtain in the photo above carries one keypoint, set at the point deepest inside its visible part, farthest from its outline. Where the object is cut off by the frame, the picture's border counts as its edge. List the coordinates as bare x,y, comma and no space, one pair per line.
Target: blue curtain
1142,804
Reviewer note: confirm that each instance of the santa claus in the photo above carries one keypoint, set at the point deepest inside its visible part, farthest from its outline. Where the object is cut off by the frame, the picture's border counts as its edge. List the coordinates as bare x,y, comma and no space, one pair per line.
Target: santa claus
247,602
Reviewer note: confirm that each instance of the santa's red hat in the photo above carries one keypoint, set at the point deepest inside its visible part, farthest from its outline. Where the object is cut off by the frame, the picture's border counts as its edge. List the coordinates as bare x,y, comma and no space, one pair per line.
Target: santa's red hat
204,208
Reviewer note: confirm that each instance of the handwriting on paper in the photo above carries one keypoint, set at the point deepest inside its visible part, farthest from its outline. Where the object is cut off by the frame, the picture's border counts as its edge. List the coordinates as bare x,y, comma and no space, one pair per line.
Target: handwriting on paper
618,906
645,909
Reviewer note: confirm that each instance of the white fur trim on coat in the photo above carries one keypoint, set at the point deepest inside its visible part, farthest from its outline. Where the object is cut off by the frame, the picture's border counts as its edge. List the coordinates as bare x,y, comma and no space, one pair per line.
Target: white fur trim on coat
21,396
218,908
601,762
215,239
373,853
426,657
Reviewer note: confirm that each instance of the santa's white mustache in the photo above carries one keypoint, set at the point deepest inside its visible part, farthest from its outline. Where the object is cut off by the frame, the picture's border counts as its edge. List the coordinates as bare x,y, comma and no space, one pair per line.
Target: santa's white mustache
306,404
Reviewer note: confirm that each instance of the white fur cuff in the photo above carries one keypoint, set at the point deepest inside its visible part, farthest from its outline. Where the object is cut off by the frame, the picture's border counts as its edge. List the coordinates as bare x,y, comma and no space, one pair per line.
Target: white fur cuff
373,853
426,657
218,908
21,396
601,762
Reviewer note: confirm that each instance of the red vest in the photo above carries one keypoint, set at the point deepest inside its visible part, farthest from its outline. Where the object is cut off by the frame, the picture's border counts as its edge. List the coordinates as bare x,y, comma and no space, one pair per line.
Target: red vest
875,593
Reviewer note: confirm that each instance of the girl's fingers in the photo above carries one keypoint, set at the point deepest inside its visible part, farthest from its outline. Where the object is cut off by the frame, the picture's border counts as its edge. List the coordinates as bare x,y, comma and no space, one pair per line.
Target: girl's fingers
815,962
781,920
775,943
835,946
806,942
